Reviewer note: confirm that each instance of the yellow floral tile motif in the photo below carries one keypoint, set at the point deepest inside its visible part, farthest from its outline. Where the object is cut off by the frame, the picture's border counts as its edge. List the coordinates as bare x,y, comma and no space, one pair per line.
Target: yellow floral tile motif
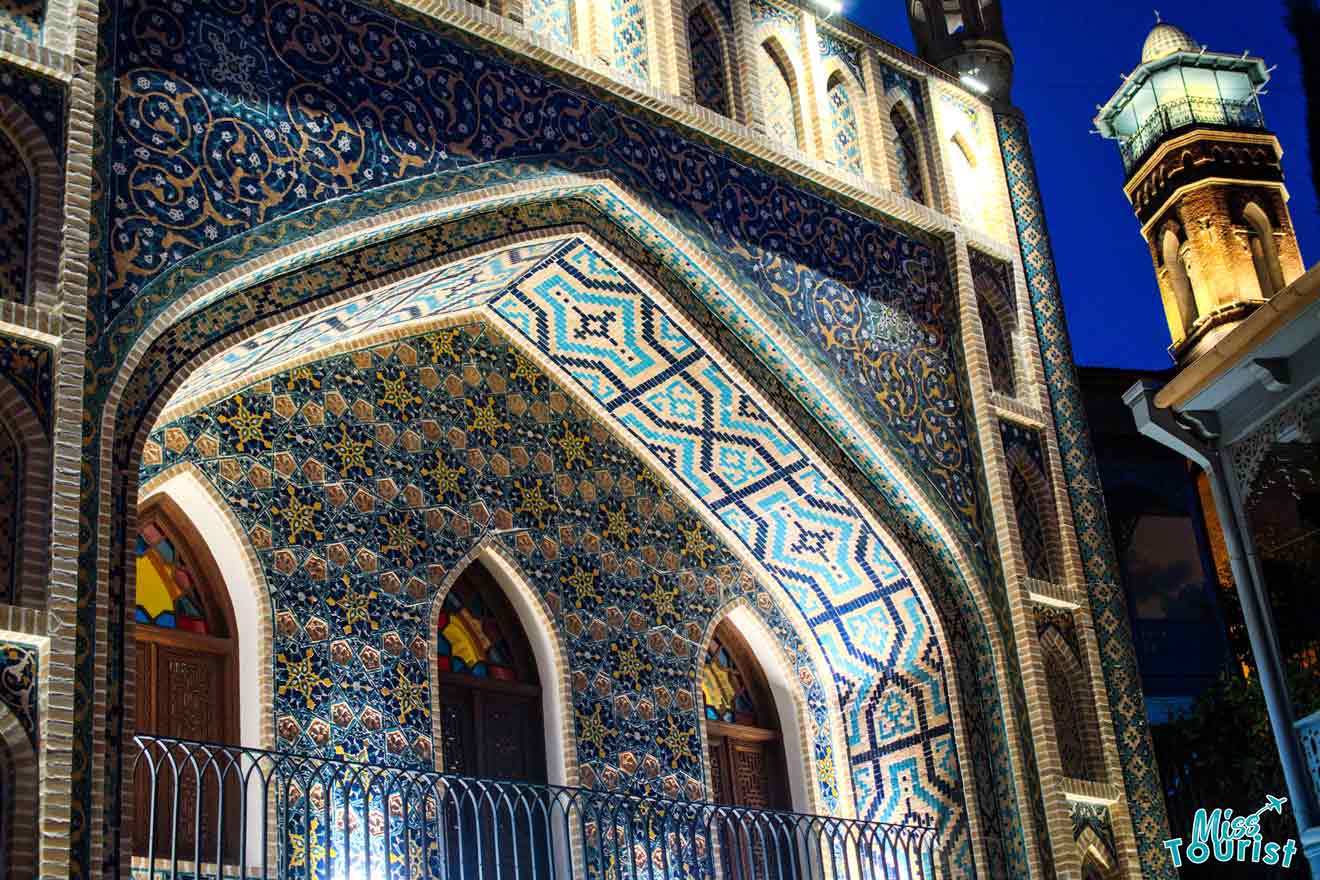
247,428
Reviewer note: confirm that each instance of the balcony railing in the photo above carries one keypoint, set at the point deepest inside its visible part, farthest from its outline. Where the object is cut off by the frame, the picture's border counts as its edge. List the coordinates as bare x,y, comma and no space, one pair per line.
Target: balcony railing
1175,115
213,811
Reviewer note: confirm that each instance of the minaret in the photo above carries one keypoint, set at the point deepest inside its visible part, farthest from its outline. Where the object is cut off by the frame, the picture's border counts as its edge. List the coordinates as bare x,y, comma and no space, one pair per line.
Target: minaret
1205,180
965,38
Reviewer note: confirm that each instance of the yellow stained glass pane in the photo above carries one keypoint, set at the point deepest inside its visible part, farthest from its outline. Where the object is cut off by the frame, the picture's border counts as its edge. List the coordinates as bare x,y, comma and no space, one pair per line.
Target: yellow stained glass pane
467,642
155,587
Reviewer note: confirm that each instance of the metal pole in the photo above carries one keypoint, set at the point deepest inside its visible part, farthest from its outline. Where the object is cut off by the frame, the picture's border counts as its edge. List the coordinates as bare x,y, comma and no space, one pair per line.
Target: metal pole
1159,425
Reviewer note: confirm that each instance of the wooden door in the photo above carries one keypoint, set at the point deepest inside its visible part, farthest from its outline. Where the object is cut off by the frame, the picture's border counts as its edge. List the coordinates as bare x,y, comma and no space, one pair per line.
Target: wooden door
746,758
185,693
490,731
187,689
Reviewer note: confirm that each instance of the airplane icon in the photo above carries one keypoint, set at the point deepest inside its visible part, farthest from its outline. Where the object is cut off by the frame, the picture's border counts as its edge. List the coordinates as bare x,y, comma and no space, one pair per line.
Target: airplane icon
1272,803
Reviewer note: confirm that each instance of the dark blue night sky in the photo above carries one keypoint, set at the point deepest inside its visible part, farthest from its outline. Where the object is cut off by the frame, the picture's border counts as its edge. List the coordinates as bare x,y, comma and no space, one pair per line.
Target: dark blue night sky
1069,57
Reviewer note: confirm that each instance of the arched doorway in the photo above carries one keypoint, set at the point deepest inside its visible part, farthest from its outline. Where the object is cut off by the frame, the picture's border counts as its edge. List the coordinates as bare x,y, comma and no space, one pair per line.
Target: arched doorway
488,689
187,680
489,698
744,742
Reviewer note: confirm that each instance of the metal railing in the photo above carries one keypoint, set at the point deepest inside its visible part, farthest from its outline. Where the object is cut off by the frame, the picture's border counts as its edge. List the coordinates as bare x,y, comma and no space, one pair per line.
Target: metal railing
214,811
1171,117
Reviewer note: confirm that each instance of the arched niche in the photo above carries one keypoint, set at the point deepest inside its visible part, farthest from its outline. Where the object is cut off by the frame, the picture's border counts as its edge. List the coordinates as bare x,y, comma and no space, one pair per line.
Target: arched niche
187,675
547,661
998,329
780,99
710,59
25,469
1033,510
847,148
235,562
31,198
908,152
1177,278
1264,251
19,798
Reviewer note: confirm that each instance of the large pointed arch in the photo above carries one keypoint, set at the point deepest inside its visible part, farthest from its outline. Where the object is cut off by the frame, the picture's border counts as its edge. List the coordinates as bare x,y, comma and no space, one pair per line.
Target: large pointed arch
206,294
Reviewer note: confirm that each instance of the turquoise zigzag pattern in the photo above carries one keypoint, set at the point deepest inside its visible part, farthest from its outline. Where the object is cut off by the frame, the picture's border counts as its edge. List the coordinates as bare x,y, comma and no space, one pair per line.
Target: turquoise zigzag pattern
875,628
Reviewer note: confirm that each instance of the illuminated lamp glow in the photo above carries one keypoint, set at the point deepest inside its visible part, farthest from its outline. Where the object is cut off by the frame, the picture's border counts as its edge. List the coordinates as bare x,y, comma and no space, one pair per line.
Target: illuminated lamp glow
974,84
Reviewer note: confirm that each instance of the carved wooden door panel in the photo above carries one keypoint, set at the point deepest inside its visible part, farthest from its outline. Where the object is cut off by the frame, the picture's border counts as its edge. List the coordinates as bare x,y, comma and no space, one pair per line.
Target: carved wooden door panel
742,774
492,735
182,694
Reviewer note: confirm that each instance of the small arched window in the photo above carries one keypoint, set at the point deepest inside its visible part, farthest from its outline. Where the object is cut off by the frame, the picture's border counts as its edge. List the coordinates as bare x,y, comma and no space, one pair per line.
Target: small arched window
1264,252
909,157
16,200
1179,282
778,98
710,80
847,138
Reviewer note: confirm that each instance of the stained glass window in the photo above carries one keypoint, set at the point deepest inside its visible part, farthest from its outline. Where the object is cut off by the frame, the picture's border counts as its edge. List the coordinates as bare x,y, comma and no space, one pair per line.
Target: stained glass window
470,639
167,583
724,689
909,159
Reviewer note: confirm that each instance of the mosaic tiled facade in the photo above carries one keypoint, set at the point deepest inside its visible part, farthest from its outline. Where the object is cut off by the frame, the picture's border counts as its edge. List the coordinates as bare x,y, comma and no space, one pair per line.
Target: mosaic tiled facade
18,685
1113,630
22,17
292,187
363,479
